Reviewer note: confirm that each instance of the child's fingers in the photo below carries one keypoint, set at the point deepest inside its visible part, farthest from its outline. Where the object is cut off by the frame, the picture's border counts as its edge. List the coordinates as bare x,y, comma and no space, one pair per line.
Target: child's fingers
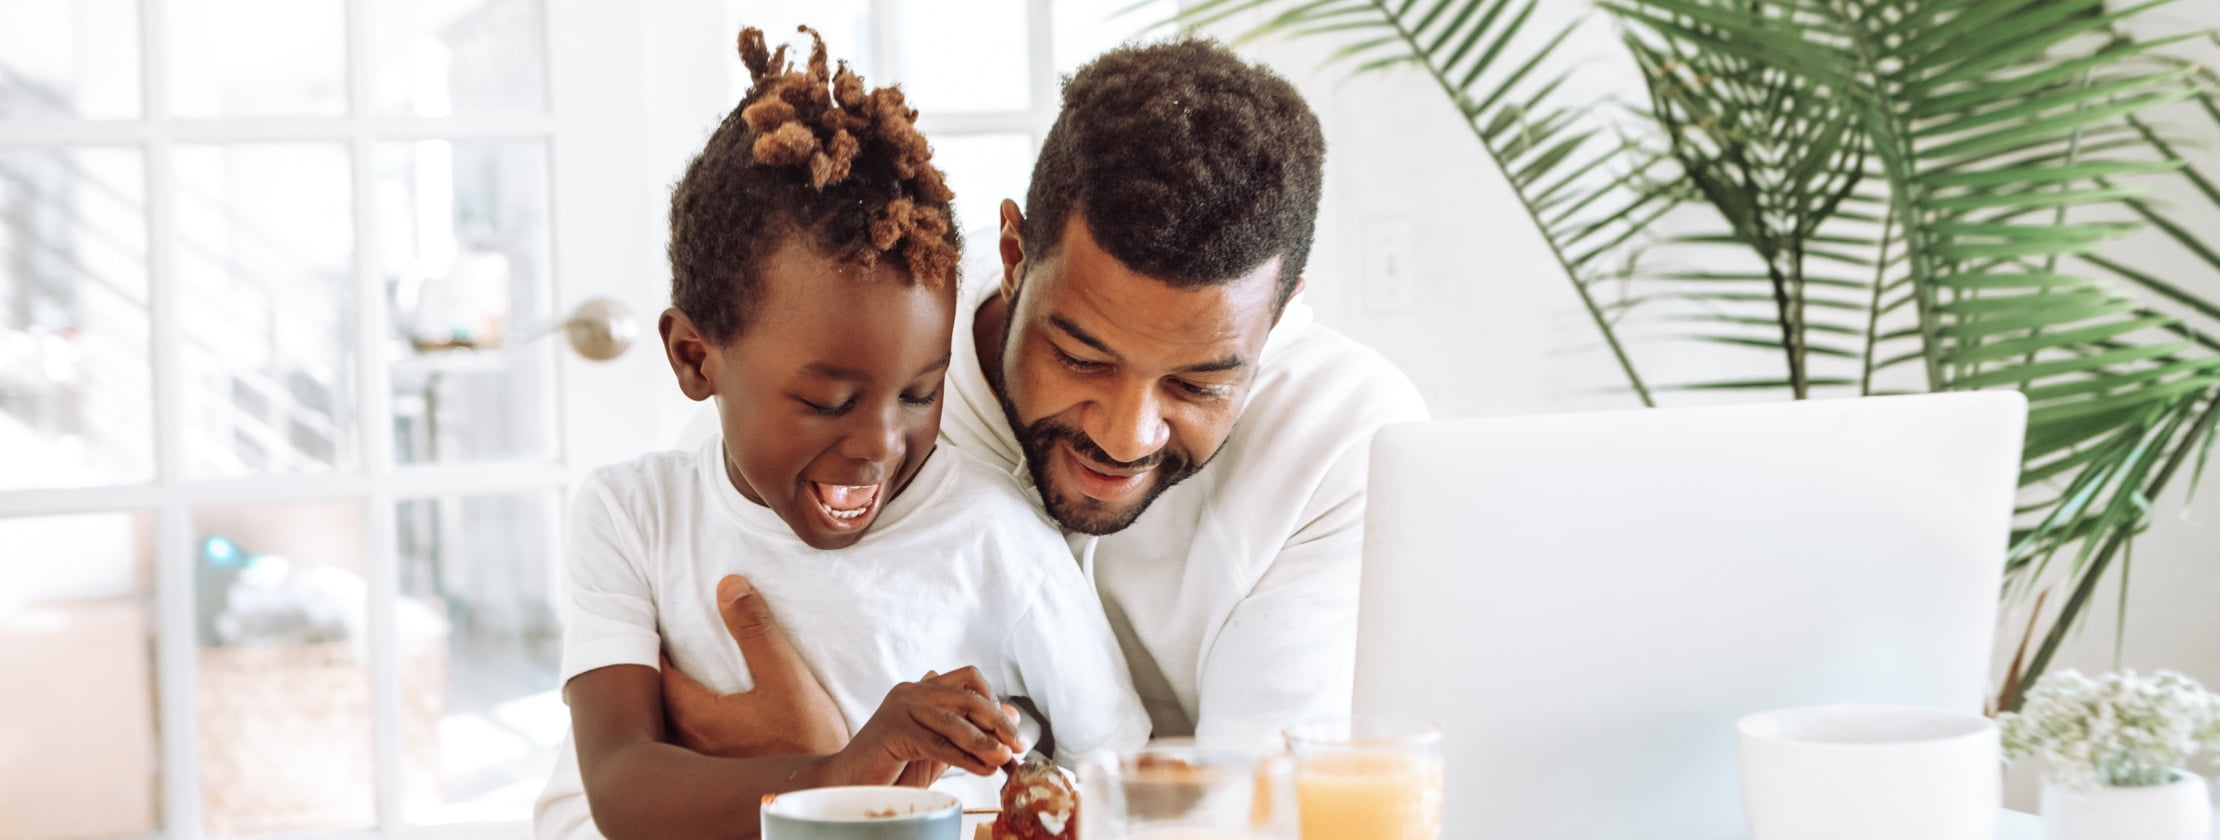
938,748
967,678
968,722
1003,726
996,723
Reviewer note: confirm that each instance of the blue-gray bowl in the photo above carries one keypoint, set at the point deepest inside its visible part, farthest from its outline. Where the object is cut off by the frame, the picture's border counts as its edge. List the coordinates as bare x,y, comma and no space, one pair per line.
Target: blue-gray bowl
863,813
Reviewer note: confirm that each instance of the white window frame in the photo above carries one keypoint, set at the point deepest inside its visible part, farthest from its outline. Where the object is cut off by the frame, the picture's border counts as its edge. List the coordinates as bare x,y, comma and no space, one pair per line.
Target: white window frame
1042,84
379,484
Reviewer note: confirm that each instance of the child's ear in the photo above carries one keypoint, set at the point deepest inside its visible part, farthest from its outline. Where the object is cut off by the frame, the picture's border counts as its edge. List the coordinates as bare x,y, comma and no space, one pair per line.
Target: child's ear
692,357
1012,245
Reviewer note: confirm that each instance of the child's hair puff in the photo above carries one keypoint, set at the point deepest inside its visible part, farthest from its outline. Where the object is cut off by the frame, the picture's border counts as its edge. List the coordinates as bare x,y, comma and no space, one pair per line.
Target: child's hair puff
808,152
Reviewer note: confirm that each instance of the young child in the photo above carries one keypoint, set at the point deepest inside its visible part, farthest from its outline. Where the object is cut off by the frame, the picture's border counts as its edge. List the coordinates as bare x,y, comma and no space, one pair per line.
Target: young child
813,260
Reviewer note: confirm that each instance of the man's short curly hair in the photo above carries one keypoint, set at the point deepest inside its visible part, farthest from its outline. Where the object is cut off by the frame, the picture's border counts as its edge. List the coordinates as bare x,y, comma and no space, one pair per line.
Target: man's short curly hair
812,153
1188,164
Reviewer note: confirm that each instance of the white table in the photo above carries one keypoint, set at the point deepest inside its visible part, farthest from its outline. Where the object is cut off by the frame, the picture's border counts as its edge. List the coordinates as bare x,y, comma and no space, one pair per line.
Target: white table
2018,826
2014,826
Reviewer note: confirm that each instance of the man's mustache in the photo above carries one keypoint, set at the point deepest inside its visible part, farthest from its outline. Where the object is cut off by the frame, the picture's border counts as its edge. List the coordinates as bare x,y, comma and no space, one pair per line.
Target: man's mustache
1049,430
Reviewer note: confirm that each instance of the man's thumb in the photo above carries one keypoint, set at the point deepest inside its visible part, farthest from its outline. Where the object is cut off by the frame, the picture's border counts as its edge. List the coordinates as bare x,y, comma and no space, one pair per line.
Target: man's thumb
731,589
745,615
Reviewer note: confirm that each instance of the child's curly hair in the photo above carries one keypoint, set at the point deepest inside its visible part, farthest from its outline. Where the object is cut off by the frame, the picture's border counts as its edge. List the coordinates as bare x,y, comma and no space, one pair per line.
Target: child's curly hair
806,152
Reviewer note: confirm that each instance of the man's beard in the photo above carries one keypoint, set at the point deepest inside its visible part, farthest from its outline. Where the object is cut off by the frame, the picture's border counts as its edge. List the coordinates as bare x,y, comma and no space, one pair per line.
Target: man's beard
1038,441
1082,514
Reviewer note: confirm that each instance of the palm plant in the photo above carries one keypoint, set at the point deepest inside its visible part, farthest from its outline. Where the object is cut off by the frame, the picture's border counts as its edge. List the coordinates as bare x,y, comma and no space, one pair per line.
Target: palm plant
1886,196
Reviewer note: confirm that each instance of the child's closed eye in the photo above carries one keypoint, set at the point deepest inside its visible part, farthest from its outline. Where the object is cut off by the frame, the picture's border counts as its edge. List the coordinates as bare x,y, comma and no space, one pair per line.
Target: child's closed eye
827,410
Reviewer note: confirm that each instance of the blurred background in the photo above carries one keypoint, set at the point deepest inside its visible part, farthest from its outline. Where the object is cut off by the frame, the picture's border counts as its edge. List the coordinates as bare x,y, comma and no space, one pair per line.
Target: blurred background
286,422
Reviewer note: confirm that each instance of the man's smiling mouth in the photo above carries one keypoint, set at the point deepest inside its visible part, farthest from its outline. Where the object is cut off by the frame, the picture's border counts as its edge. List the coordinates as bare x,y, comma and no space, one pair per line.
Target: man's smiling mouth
1104,483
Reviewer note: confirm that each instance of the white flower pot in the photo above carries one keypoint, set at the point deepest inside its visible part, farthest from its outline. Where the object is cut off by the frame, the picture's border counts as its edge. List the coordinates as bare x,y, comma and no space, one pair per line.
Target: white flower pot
2180,810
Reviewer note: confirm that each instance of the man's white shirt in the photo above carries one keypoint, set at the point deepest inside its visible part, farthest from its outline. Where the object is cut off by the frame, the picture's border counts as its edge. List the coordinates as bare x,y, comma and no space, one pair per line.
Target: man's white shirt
1235,595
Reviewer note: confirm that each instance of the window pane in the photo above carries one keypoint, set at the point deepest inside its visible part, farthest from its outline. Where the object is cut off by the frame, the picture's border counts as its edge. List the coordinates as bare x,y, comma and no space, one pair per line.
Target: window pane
464,230
960,55
74,387
258,57
845,24
436,58
284,674
76,631
78,59
265,309
984,169
477,578
1088,28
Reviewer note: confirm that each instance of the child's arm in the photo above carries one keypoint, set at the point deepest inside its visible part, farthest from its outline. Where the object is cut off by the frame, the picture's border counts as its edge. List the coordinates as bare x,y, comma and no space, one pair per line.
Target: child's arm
638,784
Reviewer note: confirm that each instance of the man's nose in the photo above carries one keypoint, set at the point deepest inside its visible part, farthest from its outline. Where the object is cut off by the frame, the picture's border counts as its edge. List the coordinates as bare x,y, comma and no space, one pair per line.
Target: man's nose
1130,426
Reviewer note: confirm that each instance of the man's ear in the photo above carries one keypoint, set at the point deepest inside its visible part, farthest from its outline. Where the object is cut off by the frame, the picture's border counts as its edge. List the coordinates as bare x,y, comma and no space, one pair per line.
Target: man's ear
692,357
1301,282
1012,246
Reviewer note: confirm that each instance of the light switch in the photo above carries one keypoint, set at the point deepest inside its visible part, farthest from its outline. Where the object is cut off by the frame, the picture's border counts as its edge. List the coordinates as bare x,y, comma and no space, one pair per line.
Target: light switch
1390,267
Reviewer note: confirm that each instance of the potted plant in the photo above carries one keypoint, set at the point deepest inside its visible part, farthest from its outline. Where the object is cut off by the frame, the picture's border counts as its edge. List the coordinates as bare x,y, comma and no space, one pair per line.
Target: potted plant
2116,746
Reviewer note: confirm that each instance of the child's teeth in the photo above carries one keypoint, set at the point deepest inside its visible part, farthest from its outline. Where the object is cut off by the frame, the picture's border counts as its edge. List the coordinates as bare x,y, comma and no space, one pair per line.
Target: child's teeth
842,499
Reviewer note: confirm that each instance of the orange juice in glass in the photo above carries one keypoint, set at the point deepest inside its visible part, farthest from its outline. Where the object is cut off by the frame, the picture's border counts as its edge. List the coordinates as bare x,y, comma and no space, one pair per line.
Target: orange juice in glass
1367,779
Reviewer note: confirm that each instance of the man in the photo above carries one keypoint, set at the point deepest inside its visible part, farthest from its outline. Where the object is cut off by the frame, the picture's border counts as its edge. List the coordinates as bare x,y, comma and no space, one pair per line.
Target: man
1146,362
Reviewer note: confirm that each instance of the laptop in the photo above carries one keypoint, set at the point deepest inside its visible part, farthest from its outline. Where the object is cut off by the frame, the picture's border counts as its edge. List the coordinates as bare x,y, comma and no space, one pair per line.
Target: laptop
1586,603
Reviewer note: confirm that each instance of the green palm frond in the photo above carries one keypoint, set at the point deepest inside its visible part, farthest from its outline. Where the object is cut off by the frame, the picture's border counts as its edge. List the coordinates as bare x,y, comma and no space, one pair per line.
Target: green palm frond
1779,164
1590,190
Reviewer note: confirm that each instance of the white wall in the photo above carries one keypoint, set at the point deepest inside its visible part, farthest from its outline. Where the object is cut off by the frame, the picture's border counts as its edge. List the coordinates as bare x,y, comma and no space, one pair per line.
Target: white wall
1500,331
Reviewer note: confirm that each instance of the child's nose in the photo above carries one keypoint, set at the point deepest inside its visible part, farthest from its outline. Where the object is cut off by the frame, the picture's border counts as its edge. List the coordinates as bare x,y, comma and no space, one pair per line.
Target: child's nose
874,439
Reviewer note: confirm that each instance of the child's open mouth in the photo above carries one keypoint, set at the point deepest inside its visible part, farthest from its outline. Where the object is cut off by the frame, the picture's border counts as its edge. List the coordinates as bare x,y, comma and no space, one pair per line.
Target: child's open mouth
845,506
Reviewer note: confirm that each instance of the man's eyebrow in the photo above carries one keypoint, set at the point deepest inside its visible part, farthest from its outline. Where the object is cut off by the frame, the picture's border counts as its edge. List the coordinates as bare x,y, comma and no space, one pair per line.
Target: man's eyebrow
1083,337
1219,365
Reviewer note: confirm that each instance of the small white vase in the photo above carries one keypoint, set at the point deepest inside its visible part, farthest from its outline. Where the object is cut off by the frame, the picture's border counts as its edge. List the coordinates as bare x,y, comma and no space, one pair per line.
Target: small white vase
2177,810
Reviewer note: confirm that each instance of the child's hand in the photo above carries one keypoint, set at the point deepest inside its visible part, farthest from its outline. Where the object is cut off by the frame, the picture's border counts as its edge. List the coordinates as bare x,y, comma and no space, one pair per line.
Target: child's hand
946,719
924,773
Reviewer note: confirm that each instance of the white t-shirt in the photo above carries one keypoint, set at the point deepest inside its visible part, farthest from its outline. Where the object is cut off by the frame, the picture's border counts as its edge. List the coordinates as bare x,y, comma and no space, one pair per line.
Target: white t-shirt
960,569
1235,594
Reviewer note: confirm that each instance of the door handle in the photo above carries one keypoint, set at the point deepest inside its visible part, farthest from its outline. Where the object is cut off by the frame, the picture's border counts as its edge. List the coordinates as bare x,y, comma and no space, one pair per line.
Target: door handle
600,329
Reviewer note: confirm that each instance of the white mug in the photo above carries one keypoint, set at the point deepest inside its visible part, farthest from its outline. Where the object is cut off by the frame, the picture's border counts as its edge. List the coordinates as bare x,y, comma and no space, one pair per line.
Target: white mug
1866,772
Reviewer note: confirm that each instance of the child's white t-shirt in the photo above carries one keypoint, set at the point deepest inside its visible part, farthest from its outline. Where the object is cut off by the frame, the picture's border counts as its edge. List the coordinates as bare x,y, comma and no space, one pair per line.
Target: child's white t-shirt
960,569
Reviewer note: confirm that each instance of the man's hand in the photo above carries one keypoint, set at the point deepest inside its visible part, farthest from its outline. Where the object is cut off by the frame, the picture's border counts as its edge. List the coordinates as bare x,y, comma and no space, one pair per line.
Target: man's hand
786,713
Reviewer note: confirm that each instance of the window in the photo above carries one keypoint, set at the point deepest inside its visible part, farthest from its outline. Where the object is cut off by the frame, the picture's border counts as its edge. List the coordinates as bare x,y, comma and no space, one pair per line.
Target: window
278,474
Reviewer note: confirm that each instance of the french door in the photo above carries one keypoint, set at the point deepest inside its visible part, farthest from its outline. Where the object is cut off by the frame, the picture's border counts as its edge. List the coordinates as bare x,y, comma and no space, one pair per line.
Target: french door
286,411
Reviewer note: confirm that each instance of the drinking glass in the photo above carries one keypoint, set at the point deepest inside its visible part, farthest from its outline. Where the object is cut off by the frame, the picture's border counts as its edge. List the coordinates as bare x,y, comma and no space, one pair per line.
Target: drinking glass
1367,779
1184,790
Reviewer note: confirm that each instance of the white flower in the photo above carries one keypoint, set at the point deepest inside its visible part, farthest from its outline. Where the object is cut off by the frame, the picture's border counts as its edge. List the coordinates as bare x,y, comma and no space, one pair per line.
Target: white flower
2121,731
